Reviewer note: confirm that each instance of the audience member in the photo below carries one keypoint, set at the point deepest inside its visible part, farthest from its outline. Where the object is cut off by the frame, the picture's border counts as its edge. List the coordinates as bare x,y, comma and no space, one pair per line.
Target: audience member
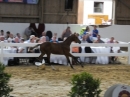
66,33
98,40
95,31
44,34
54,39
2,33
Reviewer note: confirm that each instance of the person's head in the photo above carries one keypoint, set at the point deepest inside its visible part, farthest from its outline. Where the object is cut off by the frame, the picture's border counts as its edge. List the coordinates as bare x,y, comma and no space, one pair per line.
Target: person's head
43,39
112,39
32,38
87,29
84,37
22,40
54,38
98,37
11,35
8,33
43,33
16,40
18,34
95,27
68,28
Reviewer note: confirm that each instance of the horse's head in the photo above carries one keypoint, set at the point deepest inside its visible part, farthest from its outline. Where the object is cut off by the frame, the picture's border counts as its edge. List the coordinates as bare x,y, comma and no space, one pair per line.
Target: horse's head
75,38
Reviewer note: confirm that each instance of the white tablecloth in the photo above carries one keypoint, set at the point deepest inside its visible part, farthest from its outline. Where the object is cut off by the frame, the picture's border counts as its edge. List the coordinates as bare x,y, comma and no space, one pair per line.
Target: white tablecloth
99,59
61,59
5,59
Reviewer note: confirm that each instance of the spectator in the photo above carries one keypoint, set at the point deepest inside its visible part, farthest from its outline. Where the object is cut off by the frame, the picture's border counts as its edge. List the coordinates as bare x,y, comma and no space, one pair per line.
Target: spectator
95,31
111,40
98,39
7,35
66,33
22,49
44,34
2,33
54,40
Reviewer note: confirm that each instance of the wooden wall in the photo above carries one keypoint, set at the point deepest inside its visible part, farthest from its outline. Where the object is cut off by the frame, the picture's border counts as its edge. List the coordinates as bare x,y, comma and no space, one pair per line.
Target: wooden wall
122,13
46,11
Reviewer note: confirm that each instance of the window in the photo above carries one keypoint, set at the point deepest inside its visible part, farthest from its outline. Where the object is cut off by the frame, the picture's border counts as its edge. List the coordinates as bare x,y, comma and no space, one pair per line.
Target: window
68,5
98,7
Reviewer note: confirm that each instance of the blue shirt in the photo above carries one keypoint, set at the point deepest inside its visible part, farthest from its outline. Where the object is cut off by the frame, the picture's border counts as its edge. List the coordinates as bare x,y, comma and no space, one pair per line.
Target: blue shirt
95,31
54,41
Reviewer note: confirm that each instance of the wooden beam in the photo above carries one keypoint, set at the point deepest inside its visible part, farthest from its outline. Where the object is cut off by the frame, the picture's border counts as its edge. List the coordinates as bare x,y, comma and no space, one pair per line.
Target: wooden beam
17,16
123,18
58,14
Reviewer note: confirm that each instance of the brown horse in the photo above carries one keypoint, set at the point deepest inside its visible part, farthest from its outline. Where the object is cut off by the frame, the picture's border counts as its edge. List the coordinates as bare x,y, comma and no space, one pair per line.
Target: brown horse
62,48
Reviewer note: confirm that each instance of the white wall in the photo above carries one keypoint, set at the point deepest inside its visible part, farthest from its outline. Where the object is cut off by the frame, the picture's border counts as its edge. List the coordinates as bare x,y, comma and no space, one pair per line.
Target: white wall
89,9
120,32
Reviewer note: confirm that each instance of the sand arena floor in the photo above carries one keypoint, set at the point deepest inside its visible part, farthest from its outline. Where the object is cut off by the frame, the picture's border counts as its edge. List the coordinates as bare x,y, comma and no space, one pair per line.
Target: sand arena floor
28,81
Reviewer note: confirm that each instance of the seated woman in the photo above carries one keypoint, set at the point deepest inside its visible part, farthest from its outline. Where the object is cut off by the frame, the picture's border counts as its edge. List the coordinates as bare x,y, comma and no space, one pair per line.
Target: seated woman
54,39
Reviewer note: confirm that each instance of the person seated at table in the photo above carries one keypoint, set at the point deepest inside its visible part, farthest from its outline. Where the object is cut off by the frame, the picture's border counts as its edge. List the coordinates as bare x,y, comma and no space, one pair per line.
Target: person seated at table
7,35
22,49
42,39
2,38
111,40
18,36
98,40
54,39
83,40
11,38
89,38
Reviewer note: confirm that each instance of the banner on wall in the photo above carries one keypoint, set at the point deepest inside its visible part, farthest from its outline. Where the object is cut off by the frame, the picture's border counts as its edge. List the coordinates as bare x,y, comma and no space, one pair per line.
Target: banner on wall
20,1
32,1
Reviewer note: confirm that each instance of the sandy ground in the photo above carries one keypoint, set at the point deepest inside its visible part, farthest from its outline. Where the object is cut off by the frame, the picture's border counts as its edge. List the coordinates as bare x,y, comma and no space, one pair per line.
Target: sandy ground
30,81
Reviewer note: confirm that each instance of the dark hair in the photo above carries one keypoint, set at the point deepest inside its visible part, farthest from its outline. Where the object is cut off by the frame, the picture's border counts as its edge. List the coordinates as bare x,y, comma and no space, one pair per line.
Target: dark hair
8,32
2,30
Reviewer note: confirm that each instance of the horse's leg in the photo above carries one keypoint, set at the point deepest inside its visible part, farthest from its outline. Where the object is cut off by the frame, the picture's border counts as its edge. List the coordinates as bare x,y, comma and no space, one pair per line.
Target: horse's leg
75,58
68,61
40,57
48,56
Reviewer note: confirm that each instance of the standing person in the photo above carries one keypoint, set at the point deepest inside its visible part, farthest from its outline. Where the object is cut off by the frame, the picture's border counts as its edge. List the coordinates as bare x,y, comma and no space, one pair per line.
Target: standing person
95,31
66,33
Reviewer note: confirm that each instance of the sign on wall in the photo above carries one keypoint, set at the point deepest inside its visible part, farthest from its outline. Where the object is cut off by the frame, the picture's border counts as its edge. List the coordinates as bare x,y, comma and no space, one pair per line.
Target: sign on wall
99,19
21,1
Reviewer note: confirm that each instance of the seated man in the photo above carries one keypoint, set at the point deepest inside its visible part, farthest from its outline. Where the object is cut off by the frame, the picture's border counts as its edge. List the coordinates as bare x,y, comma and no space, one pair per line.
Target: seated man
98,40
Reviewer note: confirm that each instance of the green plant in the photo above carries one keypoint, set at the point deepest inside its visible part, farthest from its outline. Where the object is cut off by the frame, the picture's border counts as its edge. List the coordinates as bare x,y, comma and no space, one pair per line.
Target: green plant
84,85
4,79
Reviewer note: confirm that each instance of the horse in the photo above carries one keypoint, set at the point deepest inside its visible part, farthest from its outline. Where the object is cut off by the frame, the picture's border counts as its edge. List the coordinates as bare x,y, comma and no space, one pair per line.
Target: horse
62,48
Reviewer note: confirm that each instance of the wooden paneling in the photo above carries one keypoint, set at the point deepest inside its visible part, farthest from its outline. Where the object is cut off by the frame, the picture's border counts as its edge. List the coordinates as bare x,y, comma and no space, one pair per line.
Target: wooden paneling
46,11
122,13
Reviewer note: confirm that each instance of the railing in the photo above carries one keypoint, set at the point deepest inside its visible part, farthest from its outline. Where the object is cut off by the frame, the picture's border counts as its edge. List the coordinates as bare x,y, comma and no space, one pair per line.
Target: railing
3,45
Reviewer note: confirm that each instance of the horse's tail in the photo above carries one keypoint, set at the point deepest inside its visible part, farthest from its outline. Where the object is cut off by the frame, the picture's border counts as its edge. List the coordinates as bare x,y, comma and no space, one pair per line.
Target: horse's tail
31,48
